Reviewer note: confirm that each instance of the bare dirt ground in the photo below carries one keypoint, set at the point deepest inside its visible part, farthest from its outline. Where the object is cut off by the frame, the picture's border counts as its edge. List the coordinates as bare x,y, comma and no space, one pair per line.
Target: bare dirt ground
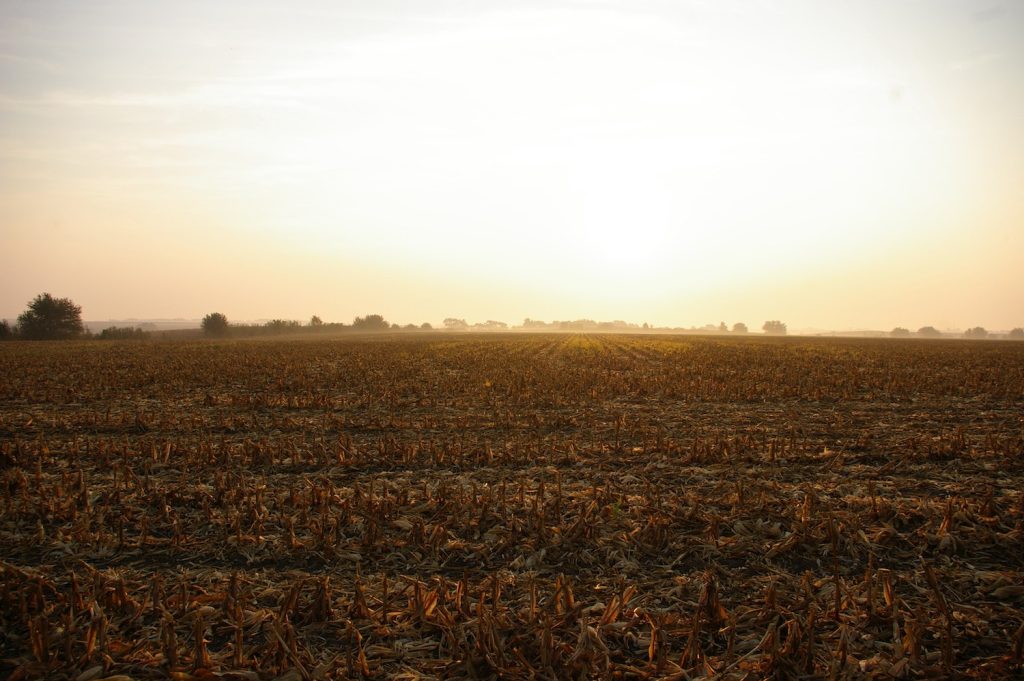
513,506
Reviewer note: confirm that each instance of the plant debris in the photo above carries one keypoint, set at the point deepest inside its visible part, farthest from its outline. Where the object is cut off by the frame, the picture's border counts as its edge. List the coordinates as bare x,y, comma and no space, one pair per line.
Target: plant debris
514,506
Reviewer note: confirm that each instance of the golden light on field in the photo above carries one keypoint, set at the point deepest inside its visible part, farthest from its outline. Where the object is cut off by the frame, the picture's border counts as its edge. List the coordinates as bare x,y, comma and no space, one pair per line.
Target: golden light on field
840,166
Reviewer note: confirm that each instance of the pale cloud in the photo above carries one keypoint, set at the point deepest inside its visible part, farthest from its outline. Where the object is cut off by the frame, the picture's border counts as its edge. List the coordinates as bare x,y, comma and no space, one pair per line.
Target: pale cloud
976,61
571,154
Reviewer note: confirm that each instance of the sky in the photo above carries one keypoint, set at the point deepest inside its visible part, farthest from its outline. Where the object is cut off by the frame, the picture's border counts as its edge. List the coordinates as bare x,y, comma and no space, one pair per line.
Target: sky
834,165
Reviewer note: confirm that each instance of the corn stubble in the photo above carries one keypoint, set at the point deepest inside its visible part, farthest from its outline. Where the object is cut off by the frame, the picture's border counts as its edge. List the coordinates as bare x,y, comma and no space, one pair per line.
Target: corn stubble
514,506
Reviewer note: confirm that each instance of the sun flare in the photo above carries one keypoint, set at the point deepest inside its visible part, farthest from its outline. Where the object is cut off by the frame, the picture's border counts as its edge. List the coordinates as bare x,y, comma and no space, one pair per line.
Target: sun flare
680,161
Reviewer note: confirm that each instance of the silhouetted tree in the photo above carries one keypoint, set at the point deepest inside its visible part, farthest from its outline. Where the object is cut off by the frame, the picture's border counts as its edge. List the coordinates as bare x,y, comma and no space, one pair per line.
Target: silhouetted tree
739,327
899,332
315,321
371,322
215,324
6,332
453,324
49,318
281,325
774,328
976,332
426,326
123,333
928,332
722,328
579,325
1017,333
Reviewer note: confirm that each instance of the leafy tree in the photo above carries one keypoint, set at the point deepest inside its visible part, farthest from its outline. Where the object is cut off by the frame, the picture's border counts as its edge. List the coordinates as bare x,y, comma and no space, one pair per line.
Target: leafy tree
739,327
453,324
282,325
774,328
215,324
123,333
49,318
976,332
371,322
315,321
426,326
1017,333
928,332
899,332
722,328
6,332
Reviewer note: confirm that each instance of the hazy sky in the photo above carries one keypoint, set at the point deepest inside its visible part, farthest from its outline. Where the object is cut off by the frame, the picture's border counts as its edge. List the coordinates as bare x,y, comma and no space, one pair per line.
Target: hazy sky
830,164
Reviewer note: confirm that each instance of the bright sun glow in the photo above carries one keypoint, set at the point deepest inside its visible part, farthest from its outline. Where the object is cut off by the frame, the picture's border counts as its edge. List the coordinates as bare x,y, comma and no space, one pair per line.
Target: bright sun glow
605,159
642,149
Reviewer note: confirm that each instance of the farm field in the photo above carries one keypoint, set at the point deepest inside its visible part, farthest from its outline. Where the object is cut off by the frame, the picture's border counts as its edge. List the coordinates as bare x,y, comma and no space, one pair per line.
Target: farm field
515,506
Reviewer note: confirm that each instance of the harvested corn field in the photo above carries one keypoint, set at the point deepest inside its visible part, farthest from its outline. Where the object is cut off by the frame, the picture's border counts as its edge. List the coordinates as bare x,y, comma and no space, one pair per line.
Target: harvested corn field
513,506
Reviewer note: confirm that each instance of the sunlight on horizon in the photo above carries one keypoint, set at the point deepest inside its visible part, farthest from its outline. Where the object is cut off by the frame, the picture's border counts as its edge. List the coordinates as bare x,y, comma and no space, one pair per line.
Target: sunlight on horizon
676,163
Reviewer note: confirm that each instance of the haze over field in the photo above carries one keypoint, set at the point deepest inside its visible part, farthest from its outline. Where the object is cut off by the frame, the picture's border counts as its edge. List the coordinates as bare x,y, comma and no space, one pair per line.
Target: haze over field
833,165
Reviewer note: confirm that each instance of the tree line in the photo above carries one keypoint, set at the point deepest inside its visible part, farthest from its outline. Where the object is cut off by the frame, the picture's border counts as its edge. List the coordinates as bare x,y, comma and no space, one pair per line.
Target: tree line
216,325
977,332
50,318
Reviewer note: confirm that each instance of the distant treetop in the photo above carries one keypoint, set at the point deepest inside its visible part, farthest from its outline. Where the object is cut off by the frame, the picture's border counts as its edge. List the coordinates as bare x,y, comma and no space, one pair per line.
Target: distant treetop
215,324
371,322
49,318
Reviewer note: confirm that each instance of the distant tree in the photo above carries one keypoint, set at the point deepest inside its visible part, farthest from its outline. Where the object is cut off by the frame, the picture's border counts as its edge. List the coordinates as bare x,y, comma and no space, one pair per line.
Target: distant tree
899,332
410,327
426,326
928,332
215,324
722,328
533,324
315,321
774,328
453,324
976,332
395,326
6,331
371,322
281,325
739,327
1017,333
49,318
123,333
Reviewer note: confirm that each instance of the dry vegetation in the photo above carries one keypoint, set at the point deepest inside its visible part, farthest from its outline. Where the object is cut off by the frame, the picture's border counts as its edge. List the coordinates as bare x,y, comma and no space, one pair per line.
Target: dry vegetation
515,507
